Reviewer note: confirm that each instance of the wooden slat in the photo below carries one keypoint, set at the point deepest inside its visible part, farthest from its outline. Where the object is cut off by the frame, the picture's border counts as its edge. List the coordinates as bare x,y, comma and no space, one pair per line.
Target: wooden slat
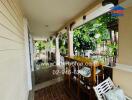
9,18
17,19
12,53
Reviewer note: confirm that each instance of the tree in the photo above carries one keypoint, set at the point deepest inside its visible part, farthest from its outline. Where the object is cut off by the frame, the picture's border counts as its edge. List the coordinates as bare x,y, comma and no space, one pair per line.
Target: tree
87,36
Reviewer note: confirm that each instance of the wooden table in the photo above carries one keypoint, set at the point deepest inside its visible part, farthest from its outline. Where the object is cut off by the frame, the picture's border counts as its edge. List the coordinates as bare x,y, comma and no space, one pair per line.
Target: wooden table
88,61
93,65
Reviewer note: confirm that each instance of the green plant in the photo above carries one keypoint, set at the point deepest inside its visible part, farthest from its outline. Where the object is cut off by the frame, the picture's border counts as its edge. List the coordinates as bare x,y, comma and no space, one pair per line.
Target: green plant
63,44
85,37
111,49
40,45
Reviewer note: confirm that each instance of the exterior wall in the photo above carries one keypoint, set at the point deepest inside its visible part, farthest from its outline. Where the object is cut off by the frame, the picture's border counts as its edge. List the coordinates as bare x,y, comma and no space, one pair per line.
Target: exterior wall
125,37
13,68
123,78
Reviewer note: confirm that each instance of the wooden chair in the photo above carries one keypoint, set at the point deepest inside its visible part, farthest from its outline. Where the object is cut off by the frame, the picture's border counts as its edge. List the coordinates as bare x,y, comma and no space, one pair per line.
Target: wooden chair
104,87
86,82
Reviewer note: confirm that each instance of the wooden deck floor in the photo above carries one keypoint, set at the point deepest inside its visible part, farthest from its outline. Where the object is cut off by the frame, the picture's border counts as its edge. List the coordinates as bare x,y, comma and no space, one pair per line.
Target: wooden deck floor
57,91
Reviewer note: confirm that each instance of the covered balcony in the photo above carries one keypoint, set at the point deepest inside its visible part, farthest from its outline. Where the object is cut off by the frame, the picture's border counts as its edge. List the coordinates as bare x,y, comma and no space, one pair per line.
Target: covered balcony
65,50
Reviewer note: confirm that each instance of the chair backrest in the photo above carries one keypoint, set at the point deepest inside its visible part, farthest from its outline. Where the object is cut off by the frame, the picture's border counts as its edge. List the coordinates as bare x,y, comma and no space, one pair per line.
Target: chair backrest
103,87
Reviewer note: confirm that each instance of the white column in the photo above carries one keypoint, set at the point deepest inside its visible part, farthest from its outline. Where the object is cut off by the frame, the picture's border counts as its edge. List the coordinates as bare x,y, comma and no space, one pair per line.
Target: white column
31,51
46,50
70,43
27,54
57,52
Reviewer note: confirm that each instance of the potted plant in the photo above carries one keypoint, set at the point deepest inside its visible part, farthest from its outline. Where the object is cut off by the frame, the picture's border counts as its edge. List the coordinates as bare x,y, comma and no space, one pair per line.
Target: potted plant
112,53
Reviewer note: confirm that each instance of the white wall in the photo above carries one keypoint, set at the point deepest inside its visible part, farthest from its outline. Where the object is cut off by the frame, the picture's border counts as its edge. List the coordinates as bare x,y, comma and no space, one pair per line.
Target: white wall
13,66
124,78
125,37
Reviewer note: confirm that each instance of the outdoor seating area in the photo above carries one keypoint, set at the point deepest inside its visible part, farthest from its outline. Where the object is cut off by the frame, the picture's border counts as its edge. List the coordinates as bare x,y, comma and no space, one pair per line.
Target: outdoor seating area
89,54
65,49
84,72
86,76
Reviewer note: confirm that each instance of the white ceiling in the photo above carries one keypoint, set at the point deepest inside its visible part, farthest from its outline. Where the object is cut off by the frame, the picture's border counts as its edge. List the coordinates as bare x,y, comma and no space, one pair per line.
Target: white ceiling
51,13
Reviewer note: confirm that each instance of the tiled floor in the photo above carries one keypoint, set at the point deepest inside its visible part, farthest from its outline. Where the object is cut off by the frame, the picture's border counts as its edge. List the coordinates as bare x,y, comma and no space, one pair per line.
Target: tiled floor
44,75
